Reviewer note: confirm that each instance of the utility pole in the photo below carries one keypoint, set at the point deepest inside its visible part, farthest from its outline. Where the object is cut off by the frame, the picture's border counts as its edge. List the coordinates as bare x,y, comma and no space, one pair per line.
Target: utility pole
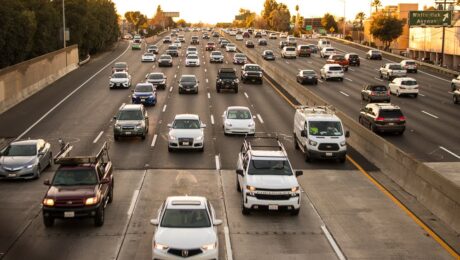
443,36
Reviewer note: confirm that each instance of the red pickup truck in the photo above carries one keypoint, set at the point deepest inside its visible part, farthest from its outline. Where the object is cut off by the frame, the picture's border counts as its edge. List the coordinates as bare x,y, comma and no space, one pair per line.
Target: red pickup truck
81,187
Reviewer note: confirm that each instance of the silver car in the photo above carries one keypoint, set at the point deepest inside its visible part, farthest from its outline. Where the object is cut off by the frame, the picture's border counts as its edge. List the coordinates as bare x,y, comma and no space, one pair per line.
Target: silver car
25,159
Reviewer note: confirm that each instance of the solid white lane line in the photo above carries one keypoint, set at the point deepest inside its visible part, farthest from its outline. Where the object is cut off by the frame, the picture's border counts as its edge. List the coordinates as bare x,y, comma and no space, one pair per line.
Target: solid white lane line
343,93
228,245
170,89
434,76
348,79
378,79
287,62
212,119
164,108
133,202
332,242
429,114
260,118
97,137
178,66
154,140
217,162
451,153
246,95
207,81
209,95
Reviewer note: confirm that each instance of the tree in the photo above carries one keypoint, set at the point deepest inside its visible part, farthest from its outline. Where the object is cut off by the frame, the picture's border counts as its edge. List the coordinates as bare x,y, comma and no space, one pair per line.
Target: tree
269,6
279,18
386,29
329,23
182,23
136,18
358,23
376,4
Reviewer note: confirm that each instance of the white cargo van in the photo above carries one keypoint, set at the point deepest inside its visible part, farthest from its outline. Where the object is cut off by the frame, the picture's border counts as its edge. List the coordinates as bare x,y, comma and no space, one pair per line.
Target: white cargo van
323,43
319,133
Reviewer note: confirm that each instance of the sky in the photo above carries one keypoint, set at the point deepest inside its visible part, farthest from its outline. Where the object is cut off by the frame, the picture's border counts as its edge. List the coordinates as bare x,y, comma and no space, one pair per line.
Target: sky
212,11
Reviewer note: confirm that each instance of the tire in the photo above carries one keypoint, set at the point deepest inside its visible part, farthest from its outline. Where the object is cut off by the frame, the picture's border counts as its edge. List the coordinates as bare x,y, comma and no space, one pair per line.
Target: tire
245,211
415,95
50,161
143,137
452,87
236,90
455,99
170,149
415,71
381,76
99,218
295,212
111,192
306,157
218,90
48,221
116,138
296,144
37,176
201,149
373,128
238,188
316,82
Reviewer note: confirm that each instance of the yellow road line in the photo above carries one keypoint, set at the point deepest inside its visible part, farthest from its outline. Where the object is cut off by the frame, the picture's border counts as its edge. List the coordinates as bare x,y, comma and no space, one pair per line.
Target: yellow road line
417,220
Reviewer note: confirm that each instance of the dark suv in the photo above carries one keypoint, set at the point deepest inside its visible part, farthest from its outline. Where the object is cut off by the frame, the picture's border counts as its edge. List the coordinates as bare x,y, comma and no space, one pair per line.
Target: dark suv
195,40
173,51
353,59
226,79
251,72
375,93
380,117
131,120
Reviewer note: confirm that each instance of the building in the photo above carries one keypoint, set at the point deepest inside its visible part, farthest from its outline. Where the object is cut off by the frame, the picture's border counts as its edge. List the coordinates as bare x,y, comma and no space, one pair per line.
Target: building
314,22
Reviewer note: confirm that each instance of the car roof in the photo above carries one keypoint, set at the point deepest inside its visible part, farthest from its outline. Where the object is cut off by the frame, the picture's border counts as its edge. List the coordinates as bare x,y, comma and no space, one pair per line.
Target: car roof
187,202
237,108
307,71
131,107
383,105
251,64
187,116
26,142
144,84
406,78
332,65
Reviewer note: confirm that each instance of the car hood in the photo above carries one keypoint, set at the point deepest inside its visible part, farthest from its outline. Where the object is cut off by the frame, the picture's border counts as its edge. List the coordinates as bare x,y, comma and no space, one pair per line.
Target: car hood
272,181
194,60
146,94
186,133
128,122
188,84
217,56
16,161
155,80
165,60
240,123
118,80
180,237
72,191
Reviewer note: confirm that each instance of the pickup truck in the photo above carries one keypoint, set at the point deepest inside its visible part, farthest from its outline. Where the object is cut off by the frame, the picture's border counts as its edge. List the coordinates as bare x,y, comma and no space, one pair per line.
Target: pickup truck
252,72
81,187
391,71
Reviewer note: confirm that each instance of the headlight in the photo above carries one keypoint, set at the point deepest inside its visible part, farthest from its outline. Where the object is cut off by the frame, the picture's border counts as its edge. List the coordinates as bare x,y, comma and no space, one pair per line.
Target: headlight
180,85
251,124
138,126
160,246
172,137
209,247
219,80
295,189
48,202
311,142
199,138
30,166
91,201
227,123
134,96
343,143
250,188
117,127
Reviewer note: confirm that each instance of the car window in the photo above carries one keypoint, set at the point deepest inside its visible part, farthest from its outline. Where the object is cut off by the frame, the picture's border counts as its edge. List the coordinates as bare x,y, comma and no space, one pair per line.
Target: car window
393,113
130,115
119,75
335,68
188,79
269,167
186,124
156,76
144,88
21,150
379,88
395,67
409,82
71,177
120,66
325,128
185,218
239,114
252,68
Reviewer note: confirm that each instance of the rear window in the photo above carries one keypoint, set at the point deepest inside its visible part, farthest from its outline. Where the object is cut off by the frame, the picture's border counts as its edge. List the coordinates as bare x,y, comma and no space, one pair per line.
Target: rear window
252,68
379,88
410,63
144,88
304,47
396,67
353,56
290,49
330,49
409,82
393,113
335,68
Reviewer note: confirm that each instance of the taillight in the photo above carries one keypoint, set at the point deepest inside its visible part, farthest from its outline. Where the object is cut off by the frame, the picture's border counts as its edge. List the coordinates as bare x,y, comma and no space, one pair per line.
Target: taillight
402,118
379,118
388,93
373,93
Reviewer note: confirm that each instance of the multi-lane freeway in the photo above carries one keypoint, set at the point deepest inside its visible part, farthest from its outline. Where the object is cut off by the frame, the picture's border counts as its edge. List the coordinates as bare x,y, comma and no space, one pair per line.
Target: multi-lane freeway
343,214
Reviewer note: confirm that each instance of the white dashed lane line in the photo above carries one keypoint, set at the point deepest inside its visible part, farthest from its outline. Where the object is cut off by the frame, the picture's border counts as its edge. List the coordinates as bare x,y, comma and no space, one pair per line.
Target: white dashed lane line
97,137
212,119
343,93
209,95
348,79
154,140
378,79
429,114
449,152
260,118
246,95
164,108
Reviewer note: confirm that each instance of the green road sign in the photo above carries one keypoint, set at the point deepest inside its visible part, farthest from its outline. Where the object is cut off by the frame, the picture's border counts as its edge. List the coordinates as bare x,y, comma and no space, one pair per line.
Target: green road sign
430,18
308,27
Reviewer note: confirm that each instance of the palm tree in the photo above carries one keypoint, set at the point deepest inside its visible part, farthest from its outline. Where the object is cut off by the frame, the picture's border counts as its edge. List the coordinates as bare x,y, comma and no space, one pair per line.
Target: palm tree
360,18
376,4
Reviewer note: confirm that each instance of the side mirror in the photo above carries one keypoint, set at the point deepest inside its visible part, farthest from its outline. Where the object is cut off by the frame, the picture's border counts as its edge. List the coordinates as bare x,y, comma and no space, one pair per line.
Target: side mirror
239,172
217,222
298,173
47,182
203,125
170,125
105,181
347,134
154,221
304,133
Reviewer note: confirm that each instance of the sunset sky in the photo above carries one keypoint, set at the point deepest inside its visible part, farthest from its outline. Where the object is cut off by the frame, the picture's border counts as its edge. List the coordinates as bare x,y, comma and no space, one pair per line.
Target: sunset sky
212,11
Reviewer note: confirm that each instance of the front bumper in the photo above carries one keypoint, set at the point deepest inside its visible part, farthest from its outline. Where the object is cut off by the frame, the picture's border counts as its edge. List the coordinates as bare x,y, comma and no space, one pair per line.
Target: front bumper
253,202
165,64
164,255
144,100
220,60
239,61
129,132
177,145
326,154
22,174
119,85
239,131
81,212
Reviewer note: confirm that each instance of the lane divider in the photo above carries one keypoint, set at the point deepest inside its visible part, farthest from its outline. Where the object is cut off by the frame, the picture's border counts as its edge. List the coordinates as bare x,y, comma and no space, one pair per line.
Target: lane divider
164,108
332,242
343,93
217,158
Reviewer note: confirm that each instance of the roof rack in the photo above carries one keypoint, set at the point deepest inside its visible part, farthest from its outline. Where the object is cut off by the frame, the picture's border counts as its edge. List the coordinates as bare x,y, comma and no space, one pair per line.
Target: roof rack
317,109
250,144
64,158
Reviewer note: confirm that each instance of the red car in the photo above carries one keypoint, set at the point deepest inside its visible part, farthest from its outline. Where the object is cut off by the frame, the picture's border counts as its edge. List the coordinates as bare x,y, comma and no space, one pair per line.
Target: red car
339,59
210,46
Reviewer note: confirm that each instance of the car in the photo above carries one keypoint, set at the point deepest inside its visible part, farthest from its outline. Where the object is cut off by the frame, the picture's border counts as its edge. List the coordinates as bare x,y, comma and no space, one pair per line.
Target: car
353,59
456,96
120,80
283,35
152,49
223,43
192,60
230,47
455,83
157,79
307,76
391,71
144,93
120,67
338,59
173,51
186,132
136,44
322,43
148,57
131,120
165,60
191,49
181,38
263,33
272,36
178,44
383,117
409,65
188,84
375,93
331,71
25,159
249,44
210,46
216,56
319,133
404,86
82,187
262,42
291,41
239,37
268,55
258,35
303,51
195,40
282,44
265,177
326,52
185,227
246,35
226,79
215,34
205,36
427,60
289,52
313,48
167,39
173,34
251,73
239,58
238,120
374,55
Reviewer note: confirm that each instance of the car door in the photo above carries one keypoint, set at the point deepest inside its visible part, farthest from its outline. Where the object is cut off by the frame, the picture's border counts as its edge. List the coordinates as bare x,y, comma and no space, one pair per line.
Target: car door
244,165
364,116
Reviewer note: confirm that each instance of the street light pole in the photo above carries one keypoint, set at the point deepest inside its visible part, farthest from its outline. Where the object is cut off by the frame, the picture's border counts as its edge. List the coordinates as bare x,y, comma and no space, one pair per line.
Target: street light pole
443,37
63,23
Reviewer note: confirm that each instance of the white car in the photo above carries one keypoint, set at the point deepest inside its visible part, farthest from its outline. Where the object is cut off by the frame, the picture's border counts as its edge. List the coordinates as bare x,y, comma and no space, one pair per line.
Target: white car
148,57
120,80
186,132
331,71
191,49
192,60
289,52
178,44
230,47
264,33
238,120
186,226
326,52
404,86
283,35
239,37
272,36
409,65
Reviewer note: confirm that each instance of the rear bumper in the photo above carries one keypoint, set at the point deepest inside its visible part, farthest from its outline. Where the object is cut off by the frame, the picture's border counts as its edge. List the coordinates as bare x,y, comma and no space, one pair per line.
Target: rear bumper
390,128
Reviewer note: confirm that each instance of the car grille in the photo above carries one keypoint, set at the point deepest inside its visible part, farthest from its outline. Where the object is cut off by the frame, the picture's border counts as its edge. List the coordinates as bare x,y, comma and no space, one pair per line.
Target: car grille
127,128
328,147
69,203
272,196
189,140
185,252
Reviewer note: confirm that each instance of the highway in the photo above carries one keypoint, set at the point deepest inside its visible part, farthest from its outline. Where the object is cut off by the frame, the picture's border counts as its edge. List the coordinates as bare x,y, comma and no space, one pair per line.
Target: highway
432,118
343,214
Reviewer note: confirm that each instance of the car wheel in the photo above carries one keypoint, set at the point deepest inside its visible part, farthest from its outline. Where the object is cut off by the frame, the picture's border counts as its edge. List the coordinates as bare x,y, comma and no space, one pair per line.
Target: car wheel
244,210
238,188
99,218
38,173
362,97
452,87
170,149
415,95
455,99
373,128
48,221
143,136
415,71
296,144
306,156
381,76
50,161
295,212
115,137
236,90
218,89
342,159
111,192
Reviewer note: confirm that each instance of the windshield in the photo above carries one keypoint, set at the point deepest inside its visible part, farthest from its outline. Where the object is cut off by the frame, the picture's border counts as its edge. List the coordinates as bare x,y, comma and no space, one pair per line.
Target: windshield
192,57
290,49
119,75
239,114
188,80
227,75
148,54
165,57
172,47
73,177
325,128
268,53
410,63
144,88
396,67
186,124
185,218
269,167
130,115
216,53
394,113
191,49
156,76
21,150
252,68
120,66
240,56
308,72
329,49
335,68
379,88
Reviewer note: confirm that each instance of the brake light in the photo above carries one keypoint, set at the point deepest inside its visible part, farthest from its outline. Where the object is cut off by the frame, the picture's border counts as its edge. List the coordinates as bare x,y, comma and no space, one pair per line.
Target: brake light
388,93
379,118
373,93
402,118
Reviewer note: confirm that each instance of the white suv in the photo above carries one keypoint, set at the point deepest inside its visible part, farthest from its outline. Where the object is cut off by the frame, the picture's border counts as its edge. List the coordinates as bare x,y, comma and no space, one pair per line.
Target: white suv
186,132
331,71
289,52
185,227
326,52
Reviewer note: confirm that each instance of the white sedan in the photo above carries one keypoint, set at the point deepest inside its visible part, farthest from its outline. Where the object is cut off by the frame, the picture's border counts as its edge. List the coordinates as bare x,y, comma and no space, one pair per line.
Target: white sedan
192,60
238,120
148,57
239,37
230,47
404,86
186,226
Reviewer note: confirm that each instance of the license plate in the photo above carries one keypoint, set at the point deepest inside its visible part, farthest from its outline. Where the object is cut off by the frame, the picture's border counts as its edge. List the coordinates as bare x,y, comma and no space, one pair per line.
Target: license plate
128,133
328,154
69,214
142,99
272,207
185,143
391,123
12,175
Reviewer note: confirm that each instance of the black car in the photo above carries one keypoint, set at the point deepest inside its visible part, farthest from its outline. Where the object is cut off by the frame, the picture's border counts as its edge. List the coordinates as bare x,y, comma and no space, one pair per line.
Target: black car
258,35
374,55
252,73
227,79
353,59
380,117
268,55
195,40
157,79
307,76
375,93
173,51
167,39
313,48
165,60
249,44
262,42
188,84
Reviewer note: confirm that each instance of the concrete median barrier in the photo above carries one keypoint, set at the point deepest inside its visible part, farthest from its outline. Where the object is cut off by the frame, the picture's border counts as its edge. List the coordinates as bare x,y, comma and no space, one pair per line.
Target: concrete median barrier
437,193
